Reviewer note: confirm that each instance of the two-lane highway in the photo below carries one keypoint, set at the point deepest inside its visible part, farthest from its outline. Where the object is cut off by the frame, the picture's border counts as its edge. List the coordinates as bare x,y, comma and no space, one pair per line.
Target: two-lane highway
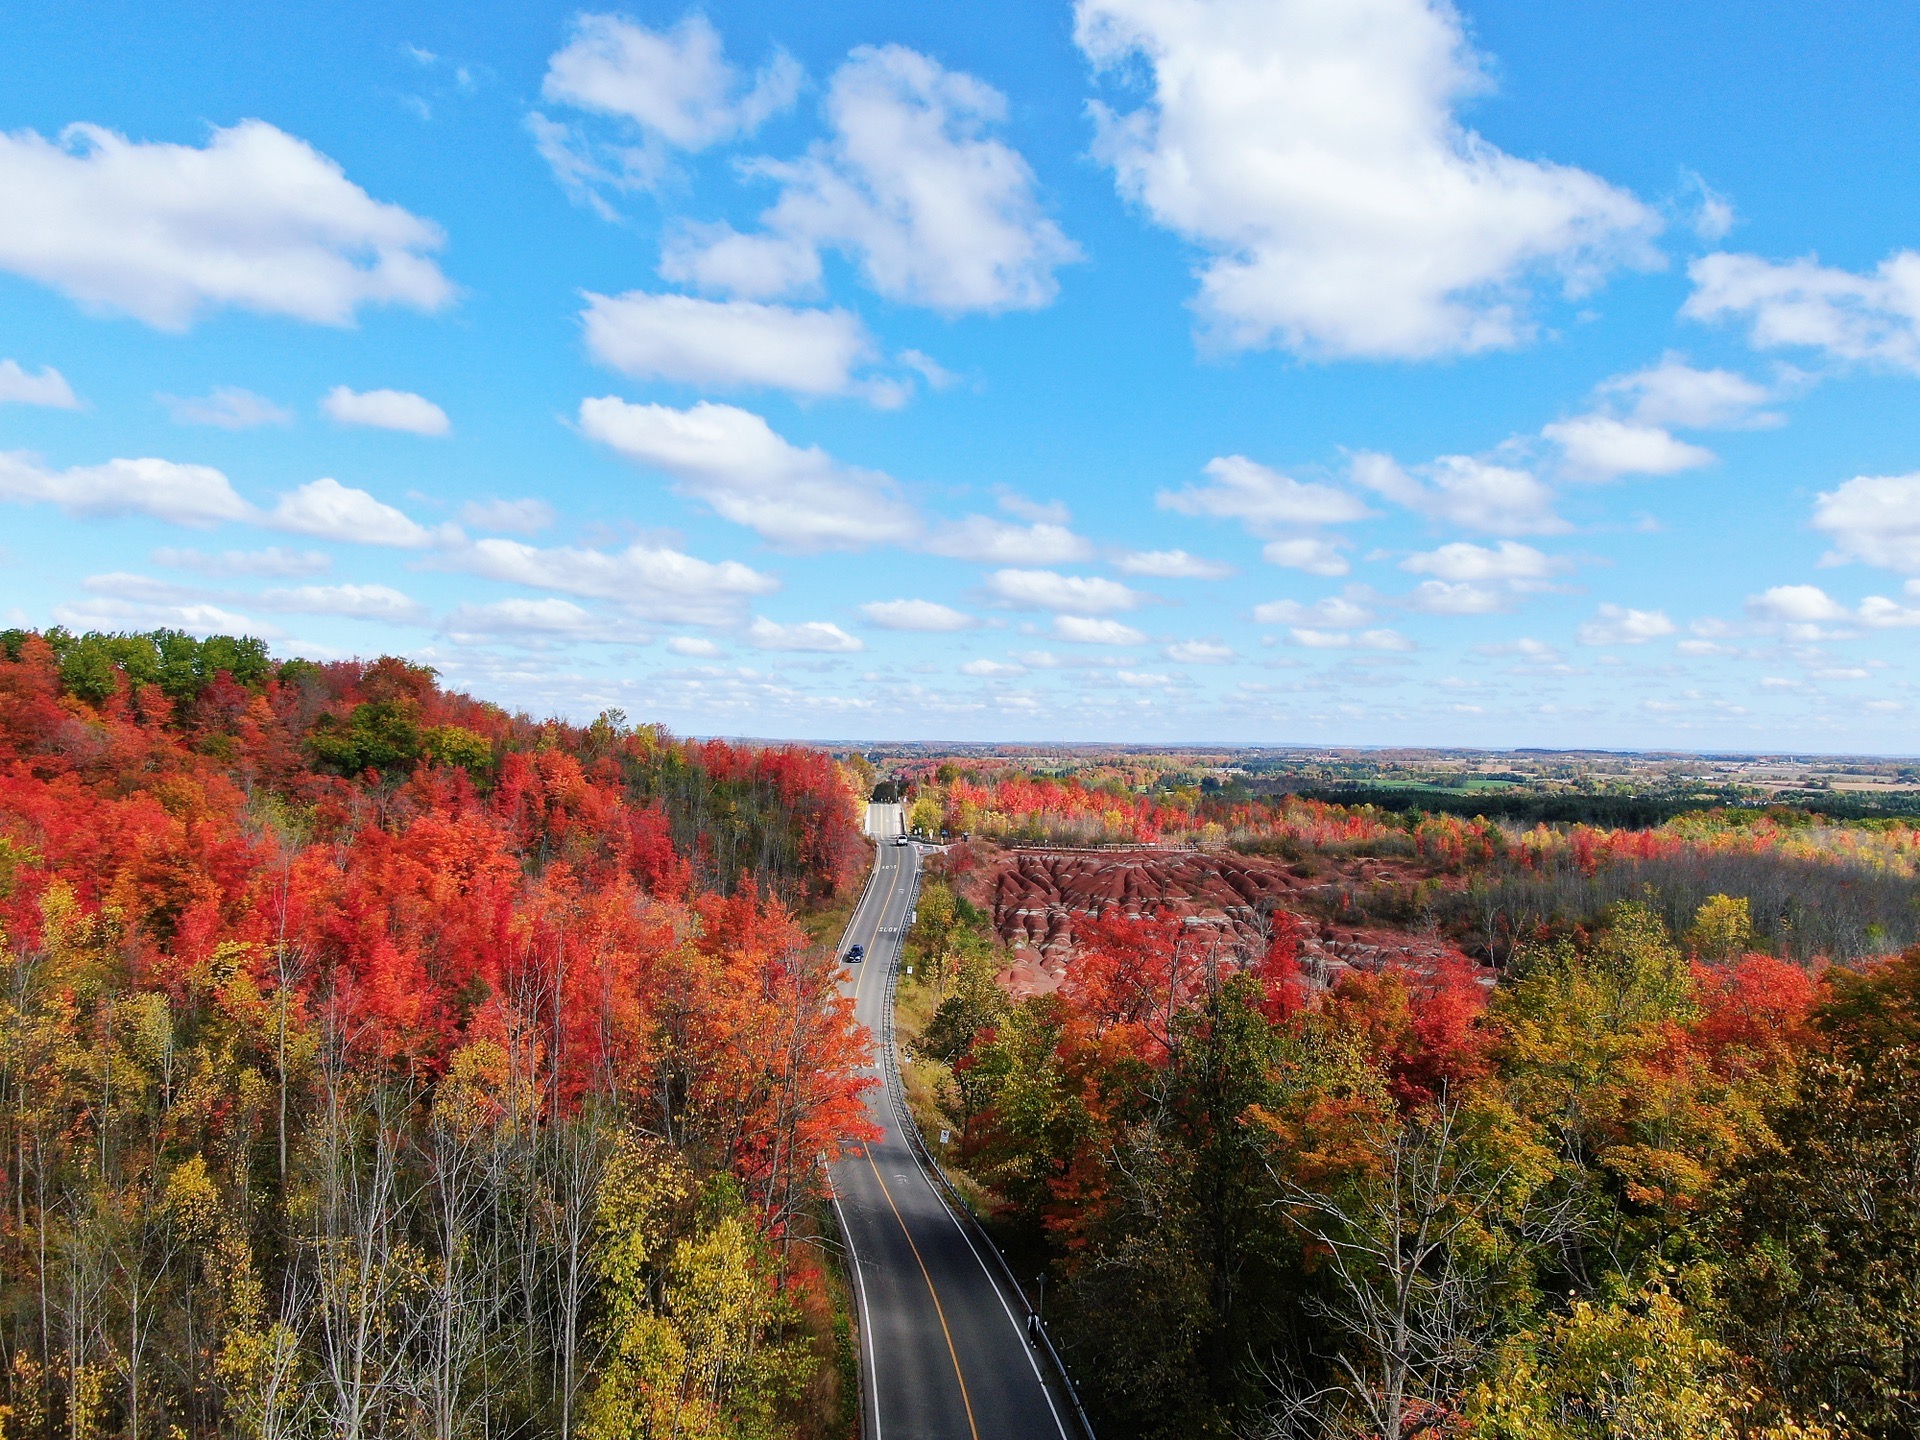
942,1336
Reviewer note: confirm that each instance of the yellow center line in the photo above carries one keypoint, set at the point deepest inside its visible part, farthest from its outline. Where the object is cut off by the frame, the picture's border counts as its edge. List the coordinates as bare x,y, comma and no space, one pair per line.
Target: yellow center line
874,937
938,1309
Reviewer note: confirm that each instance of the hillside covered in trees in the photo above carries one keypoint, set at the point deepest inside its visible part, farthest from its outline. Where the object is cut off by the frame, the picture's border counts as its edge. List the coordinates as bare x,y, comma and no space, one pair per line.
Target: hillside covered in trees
374,1062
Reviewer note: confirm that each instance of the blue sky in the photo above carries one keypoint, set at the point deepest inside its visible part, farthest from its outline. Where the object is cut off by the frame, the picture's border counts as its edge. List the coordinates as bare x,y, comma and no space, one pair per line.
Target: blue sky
1209,370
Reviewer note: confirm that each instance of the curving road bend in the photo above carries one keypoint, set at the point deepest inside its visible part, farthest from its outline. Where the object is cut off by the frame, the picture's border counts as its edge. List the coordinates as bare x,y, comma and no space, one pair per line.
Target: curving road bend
944,1354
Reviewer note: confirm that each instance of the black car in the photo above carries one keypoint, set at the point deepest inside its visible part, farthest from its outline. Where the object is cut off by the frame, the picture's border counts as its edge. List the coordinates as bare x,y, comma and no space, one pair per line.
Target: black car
855,954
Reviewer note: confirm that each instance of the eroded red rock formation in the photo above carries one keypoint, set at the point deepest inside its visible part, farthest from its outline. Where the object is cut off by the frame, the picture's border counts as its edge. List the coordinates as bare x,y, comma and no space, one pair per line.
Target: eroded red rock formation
1036,897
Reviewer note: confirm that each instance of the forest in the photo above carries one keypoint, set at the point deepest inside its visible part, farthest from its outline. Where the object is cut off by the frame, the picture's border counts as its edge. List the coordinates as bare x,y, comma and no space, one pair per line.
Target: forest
376,1062
1655,1181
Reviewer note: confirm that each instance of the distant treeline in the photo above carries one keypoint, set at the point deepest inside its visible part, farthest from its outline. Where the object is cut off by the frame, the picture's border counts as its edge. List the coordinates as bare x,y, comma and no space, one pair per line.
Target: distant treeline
1617,812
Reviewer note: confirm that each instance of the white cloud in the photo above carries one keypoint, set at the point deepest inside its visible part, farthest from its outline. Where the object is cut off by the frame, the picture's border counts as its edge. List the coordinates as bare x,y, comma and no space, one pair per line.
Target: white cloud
516,517
1618,625
255,219
694,646
1308,553
732,461
1314,152
1884,614
1320,639
1049,590
733,343
1464,491
1081,630
992,669
196,495
1713,213
386,410
674,84
332,511
547,617
1391,640
651,582
1599,447
1675,393
652,92
820,635
364,602
1334,612
1536,652
1508,561
1171,565
1457,597
226,407
912,185
1200,652
1801,303
195,619
988,541
1260,498
926,615
1796,604
272,561
48,388
1874,519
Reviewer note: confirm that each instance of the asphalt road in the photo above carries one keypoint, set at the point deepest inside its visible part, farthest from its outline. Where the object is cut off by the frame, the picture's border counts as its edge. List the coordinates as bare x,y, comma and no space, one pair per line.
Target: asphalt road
944,1354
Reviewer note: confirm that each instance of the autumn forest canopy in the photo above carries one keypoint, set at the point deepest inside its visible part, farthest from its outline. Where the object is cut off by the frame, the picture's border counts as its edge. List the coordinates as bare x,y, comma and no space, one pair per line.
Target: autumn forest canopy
376,1062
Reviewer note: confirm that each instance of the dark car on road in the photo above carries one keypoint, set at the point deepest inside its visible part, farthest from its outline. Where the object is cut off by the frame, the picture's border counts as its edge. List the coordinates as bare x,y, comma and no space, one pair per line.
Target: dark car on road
855,954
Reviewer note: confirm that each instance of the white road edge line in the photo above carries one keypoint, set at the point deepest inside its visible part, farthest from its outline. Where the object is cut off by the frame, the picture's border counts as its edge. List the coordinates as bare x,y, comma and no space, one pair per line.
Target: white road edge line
866,1315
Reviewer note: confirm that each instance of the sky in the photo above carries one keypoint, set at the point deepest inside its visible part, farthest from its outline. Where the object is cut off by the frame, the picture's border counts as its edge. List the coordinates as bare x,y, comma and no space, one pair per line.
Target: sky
1259,371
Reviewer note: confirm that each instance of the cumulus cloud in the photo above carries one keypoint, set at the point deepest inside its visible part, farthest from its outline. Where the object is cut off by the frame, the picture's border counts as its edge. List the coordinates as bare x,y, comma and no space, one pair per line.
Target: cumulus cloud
1309,553
271,562
693,645
732,461
49,388
1507,561
1618,625
535,621
196,495
254,220
911,184
987,541
331,511
1457,597
225,407
1871,318
1314,152
1675,393
386,410
1600,447
992,669
651,582
1334,612
1316,639
1874,519
1796,604
195,619
1465,491
1200,652
1085,630
737,343
361,602
515,517
1050,590
926,615
1262,499
815,635
660,90
1171,565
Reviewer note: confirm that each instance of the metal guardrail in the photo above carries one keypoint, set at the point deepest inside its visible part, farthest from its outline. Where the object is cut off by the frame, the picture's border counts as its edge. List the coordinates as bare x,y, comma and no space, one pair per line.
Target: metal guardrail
956,1202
